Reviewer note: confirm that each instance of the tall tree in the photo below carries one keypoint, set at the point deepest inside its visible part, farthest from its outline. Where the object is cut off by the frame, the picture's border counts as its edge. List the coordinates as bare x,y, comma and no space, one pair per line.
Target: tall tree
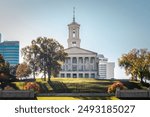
48,55
136,63
31,57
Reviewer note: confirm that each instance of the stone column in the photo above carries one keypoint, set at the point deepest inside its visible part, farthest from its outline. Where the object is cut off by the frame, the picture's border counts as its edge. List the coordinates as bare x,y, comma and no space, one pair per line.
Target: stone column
71,62
83,63
77,63
88,63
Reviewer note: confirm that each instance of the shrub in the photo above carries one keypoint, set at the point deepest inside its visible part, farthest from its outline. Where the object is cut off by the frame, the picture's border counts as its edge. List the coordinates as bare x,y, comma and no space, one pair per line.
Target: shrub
9,88
112,88
32,86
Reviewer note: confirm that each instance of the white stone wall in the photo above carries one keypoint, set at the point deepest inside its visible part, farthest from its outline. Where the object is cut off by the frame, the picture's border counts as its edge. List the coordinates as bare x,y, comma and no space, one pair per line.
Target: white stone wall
110,70
79,66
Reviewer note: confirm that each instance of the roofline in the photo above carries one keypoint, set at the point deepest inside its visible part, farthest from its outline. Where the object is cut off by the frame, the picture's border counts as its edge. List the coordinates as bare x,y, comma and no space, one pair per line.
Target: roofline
81,49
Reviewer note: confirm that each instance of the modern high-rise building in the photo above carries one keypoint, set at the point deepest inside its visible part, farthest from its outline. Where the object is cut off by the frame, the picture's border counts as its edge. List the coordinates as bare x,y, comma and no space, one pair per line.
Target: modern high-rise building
0,37
10,51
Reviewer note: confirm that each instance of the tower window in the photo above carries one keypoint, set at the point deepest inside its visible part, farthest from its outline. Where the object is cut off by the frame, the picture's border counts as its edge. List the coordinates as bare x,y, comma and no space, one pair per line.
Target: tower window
73,32
74,44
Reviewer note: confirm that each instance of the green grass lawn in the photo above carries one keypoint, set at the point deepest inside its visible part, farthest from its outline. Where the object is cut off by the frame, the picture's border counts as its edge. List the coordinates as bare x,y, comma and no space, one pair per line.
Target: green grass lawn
75,85
80,85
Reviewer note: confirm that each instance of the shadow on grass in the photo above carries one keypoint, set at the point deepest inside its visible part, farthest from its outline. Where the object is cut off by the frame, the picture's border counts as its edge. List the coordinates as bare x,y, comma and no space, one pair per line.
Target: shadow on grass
59,87
135,85
44,89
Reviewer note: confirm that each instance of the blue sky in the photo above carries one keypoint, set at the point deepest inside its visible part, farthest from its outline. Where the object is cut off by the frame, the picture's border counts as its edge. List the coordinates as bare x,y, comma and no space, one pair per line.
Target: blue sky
109,27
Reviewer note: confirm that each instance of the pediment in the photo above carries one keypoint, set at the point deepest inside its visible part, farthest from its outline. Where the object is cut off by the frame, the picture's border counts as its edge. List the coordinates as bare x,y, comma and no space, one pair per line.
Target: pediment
77,50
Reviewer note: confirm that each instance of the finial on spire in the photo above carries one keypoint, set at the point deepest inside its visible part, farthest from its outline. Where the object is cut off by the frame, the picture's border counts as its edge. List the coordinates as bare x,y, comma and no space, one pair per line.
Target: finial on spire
73,14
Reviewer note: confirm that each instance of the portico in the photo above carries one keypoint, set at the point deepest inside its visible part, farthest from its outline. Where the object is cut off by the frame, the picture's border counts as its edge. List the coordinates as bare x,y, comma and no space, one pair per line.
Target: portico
80,63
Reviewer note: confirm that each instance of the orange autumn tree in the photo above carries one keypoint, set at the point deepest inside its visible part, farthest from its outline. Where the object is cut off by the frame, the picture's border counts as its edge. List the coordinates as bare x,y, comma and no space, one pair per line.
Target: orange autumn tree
23,70
136,63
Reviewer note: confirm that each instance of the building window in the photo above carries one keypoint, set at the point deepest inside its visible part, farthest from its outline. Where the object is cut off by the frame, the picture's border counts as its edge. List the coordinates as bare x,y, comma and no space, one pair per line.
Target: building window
81,68
66,61
63,68
87,68
73,33
92,75
74,44
68,75
74,60
66,67
86,75
74,67
80,75
62,75
86,60
74,75
92,60
80,60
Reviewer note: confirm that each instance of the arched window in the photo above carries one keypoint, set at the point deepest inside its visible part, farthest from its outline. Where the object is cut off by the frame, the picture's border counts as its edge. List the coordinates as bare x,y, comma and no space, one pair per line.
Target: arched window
74,32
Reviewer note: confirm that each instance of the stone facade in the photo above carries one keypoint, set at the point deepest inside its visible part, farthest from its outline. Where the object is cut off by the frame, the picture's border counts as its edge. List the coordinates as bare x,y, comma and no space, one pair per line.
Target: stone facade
80,63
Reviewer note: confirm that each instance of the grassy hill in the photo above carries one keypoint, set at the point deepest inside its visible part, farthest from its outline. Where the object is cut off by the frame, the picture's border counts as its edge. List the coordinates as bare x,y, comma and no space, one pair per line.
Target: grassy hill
75,85
80,85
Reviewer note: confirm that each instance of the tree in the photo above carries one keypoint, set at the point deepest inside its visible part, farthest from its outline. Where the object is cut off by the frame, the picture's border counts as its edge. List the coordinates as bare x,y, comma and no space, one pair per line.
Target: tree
45,54
5,75
136,63
31,56
23,70
13,69
4,66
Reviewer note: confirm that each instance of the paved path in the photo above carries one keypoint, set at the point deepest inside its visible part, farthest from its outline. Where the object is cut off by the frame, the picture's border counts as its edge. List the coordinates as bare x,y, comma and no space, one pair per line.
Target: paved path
75,94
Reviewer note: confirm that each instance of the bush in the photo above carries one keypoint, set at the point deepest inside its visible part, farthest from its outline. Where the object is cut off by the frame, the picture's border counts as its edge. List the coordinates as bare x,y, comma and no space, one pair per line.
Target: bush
9,88
32,86
112,88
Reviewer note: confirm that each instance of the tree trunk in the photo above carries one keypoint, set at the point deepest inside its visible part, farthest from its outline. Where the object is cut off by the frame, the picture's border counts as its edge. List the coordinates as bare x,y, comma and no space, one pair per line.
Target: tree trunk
49,73
44,74
142,80
135,77
34,74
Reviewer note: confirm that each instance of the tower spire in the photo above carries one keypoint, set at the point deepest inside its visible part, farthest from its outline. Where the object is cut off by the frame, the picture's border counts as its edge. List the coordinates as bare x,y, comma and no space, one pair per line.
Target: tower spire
73,14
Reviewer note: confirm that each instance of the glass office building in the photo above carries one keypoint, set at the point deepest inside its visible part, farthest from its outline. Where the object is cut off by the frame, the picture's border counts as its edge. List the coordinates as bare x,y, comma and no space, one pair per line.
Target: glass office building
10,51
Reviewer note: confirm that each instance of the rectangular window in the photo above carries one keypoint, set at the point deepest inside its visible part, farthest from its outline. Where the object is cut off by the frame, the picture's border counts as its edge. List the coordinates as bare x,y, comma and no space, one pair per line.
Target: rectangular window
74,67
92,75
68,75
86,75
80,75
62,75
74,60
74,44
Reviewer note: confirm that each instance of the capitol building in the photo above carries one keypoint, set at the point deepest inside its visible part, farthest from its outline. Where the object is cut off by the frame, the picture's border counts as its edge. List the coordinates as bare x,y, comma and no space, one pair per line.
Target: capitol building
83,63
